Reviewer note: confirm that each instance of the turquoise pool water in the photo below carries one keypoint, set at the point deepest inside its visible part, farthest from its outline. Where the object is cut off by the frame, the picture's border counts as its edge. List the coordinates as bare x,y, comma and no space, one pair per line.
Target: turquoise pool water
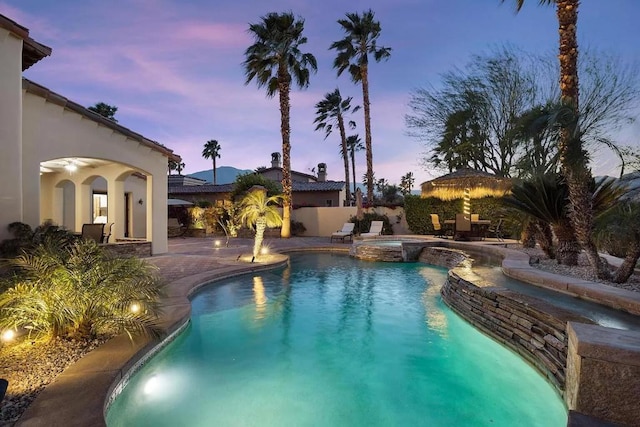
332,341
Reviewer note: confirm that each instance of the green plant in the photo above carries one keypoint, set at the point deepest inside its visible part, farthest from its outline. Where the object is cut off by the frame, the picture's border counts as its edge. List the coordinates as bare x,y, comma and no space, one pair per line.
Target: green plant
297,228
617,231
25,238
256,208
245,181
80,291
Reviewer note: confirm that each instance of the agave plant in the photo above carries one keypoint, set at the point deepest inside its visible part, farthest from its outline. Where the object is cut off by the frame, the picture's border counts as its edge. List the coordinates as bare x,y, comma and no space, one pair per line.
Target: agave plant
81,291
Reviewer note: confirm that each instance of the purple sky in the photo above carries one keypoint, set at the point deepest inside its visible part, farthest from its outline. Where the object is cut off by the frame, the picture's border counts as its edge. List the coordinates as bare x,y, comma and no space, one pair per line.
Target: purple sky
174,68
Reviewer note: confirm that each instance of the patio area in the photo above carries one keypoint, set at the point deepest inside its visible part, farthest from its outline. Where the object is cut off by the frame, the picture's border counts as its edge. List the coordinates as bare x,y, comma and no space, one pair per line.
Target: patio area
78,396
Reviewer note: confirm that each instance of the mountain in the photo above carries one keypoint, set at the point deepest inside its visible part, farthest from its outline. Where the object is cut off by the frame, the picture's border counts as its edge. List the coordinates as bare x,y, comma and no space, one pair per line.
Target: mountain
225,174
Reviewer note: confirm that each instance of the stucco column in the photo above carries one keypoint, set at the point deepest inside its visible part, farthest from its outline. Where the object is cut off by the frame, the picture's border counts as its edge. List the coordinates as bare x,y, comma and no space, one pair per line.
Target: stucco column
116,207
84,198
157,211
11,208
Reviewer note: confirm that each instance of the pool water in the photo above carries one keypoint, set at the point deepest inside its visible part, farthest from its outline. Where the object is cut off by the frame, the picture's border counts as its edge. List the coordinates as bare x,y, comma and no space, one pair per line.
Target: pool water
332,341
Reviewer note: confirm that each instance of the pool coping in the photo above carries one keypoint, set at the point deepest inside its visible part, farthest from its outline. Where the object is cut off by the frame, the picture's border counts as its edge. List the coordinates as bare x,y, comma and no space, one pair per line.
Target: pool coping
79,396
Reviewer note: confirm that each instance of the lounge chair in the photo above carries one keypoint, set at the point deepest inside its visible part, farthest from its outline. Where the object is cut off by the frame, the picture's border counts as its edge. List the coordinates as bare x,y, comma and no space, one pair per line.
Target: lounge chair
347,231
93,232
374,230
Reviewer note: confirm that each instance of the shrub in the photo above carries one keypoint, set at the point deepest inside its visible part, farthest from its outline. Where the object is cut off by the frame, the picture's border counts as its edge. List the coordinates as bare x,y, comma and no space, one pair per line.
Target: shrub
80,291
26,239
297,228
417,211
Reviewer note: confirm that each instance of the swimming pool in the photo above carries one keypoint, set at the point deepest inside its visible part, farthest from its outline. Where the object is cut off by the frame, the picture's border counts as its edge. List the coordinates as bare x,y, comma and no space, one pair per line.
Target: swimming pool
339,342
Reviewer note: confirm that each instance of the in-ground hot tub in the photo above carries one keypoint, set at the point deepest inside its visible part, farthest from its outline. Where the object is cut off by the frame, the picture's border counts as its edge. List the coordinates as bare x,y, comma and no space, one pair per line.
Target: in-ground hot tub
388,250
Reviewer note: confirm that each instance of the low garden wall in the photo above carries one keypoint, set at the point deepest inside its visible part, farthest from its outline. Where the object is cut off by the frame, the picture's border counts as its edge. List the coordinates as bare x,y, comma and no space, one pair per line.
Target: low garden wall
130,248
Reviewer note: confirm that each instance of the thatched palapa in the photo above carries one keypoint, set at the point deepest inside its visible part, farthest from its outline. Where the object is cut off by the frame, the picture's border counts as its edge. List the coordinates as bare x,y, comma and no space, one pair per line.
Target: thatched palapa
479,184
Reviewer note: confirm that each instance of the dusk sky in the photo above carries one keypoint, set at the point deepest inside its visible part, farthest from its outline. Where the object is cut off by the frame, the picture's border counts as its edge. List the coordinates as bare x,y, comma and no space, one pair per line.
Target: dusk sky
174,68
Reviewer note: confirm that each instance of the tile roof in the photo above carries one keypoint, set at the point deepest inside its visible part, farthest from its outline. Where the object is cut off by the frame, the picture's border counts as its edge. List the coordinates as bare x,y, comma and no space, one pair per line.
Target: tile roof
228,188
43,92
318,186
32,51
199,189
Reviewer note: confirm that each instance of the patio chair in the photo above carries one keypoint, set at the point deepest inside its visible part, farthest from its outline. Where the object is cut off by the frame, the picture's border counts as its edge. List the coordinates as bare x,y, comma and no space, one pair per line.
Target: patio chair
374,230
438,231
93,232
106,234
497,230
347,231
463,227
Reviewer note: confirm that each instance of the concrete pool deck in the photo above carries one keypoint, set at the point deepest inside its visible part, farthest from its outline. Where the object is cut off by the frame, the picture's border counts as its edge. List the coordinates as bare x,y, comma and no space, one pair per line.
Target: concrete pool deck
78,396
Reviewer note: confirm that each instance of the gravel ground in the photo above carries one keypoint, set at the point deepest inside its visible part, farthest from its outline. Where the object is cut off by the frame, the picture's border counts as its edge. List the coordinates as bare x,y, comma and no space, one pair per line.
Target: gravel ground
30,365
582,270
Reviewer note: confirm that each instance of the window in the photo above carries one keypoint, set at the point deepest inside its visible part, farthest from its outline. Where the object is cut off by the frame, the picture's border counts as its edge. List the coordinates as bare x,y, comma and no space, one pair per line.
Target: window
329,203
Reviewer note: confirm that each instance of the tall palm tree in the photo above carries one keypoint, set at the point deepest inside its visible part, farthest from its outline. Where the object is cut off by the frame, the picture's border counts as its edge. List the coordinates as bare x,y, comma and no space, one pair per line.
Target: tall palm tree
361,37
573,158
354,144
259,210
331,111
272,61
211,151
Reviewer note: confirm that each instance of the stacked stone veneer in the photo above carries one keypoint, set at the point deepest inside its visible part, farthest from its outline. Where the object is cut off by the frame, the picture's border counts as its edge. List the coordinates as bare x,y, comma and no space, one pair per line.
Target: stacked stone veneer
530,327
139,249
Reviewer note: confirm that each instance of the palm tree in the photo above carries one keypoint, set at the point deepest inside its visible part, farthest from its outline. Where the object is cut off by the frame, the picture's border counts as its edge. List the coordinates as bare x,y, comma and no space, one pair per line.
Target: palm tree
329,112
573,158
272,61
544,199
211,151
259,210
354,144
361,38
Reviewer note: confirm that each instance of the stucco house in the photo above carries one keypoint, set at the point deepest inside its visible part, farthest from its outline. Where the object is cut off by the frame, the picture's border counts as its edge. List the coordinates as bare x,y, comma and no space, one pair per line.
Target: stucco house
65,163
307,190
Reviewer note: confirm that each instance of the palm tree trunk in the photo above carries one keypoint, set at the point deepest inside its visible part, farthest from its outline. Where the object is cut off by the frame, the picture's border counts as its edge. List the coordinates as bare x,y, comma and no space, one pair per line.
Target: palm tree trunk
284,81
215,174
261,225
528,236
353,168
627,267
572,157
568,246
367,130
345,157
544,237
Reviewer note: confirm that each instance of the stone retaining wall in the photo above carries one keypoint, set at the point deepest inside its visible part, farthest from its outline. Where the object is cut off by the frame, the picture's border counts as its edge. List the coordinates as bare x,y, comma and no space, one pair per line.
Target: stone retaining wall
138,248
530,327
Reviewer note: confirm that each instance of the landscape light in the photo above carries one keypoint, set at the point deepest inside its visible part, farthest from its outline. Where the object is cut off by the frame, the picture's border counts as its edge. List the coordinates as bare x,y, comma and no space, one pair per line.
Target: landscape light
135,308
264,250
8,335
216,242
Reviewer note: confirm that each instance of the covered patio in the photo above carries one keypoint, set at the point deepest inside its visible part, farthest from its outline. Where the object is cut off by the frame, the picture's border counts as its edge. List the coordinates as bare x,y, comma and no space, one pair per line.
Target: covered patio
65,163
